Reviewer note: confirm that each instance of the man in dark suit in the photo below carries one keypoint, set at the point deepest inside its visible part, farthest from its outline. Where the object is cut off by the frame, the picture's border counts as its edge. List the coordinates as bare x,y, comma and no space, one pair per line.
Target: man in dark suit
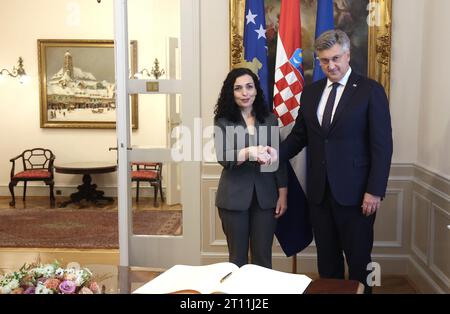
344,121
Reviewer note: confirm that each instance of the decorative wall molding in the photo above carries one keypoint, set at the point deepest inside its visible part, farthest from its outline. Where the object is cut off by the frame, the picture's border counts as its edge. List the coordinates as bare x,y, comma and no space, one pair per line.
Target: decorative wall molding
422,255
212,221
439,272
397,242
422,279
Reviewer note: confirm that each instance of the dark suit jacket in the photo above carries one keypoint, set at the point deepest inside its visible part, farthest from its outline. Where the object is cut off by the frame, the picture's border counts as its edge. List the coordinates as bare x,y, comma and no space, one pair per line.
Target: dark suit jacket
237,182
356,152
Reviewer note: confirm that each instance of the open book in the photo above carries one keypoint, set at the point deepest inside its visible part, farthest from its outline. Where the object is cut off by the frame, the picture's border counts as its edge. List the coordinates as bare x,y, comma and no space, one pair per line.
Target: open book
225,278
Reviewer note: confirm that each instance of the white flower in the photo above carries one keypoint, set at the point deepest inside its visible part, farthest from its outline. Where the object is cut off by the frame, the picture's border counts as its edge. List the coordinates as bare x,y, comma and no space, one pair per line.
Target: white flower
49,271
80,277
5,290
39,271
59,272
13,284
41,289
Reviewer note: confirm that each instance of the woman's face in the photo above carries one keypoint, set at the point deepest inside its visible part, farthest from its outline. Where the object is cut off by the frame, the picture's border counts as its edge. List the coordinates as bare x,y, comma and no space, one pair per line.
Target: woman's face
244,91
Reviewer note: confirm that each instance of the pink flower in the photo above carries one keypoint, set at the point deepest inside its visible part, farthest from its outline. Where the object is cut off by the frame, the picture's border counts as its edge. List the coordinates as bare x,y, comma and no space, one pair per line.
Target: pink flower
67,287
52,283
94,287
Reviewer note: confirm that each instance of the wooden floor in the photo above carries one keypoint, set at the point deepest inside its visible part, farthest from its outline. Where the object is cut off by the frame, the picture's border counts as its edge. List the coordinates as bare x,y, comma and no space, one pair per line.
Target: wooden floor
104,262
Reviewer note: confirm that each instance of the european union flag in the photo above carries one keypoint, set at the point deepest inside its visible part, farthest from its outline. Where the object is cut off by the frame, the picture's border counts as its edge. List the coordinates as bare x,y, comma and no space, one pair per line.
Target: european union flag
255,42
324,23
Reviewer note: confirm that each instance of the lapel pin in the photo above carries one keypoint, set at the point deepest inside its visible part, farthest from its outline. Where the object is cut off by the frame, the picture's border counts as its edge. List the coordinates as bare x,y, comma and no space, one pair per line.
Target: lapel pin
355,85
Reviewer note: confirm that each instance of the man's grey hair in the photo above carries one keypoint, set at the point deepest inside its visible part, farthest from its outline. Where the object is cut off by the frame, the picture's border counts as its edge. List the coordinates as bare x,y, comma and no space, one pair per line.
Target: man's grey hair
330,38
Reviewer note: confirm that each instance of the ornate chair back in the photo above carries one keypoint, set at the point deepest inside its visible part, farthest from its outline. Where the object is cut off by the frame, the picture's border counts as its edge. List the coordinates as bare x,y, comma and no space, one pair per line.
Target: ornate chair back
150,172
37,165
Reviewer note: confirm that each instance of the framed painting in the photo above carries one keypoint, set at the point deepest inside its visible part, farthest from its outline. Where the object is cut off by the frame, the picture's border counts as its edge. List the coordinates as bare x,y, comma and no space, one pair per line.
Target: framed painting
367,22
77,84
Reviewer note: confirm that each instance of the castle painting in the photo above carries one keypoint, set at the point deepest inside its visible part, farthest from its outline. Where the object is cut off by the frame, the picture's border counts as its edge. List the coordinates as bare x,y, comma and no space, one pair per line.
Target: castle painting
74,94
77,81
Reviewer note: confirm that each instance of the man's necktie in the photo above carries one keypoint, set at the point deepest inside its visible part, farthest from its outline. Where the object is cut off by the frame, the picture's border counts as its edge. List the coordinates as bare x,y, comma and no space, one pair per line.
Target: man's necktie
326,119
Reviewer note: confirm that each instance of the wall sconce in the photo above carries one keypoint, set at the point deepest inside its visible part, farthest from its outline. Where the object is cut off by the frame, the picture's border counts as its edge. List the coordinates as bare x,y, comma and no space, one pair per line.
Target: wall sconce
18,72
156,72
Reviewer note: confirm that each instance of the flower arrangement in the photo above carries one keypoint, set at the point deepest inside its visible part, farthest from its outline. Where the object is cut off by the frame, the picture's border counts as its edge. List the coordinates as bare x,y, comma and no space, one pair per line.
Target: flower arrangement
39,278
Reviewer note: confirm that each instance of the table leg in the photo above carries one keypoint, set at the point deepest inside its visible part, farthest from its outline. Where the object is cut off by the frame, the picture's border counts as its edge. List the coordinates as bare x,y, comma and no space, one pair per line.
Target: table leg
88,192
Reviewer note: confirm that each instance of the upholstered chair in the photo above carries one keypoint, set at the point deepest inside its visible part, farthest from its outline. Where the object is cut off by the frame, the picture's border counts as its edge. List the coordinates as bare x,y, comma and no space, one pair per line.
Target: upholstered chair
37,165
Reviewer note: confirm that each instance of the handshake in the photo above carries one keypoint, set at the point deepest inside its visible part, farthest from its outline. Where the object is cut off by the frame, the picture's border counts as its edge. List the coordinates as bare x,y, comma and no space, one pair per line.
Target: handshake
264,155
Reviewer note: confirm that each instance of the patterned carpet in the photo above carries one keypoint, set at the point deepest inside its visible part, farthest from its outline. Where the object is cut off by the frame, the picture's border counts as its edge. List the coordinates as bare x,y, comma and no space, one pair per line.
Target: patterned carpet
79,228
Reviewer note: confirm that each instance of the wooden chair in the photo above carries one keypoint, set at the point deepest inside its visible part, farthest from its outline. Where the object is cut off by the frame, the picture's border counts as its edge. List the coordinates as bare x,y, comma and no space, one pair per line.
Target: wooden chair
150,172
37,165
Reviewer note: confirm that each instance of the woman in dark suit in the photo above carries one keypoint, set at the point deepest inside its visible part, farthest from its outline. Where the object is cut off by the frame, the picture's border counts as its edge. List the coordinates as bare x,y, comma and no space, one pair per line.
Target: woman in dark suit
250,197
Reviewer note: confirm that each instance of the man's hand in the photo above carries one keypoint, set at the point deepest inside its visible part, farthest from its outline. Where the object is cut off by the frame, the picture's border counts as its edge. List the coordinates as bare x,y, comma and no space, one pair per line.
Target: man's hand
267,155
281,202
273,153
370,204
263,157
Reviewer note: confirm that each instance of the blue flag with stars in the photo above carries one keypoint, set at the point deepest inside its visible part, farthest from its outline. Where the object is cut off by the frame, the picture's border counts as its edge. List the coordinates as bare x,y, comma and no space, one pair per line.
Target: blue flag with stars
324,22
255,42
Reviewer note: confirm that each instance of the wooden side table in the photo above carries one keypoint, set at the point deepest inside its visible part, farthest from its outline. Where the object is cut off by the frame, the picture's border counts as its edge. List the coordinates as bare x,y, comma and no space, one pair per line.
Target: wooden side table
86,190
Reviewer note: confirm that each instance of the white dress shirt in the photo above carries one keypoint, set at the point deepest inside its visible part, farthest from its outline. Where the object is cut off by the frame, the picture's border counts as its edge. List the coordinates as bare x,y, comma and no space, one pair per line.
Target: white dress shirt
326,93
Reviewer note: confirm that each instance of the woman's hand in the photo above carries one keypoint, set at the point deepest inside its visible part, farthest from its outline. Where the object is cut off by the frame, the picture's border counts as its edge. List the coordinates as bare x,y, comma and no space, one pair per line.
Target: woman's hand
264,155
281,203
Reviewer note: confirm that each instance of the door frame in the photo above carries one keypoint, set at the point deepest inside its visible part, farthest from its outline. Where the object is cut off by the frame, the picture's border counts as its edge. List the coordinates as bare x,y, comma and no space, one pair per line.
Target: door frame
154,250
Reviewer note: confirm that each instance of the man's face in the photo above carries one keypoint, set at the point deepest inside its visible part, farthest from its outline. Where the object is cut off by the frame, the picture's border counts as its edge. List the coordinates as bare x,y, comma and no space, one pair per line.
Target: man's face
334,62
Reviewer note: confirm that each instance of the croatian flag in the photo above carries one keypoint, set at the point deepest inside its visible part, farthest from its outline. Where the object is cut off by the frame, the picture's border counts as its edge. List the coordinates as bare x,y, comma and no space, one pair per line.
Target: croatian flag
324,22
294,232
255,42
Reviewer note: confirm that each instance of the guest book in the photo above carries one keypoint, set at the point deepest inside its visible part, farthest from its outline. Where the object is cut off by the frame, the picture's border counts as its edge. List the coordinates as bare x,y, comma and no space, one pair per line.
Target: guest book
225,278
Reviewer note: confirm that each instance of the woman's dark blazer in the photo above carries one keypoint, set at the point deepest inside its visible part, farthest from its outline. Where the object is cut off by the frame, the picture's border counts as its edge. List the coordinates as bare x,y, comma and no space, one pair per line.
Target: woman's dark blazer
237,182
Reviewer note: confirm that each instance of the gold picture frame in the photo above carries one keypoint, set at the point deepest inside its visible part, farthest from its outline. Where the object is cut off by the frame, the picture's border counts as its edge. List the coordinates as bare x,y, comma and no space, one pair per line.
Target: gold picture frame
77,84
377,18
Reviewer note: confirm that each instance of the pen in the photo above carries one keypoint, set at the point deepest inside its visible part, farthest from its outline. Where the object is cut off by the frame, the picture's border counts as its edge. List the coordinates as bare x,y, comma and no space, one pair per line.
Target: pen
225,277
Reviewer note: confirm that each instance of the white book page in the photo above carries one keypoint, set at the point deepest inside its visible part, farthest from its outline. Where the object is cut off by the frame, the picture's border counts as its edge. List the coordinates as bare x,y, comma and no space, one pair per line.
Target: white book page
254,279
204,279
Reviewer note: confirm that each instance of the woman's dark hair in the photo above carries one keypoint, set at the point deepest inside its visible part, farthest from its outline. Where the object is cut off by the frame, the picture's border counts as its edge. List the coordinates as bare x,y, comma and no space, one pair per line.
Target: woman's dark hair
227,108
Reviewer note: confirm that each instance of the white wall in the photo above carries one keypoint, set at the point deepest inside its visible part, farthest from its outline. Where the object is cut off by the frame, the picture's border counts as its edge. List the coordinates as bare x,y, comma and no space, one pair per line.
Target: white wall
215,45
406,77
152,23
434,114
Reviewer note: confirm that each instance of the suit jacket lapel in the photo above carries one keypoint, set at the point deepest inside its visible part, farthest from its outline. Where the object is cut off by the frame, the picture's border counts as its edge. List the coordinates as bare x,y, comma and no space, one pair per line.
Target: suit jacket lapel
350,88
316,101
